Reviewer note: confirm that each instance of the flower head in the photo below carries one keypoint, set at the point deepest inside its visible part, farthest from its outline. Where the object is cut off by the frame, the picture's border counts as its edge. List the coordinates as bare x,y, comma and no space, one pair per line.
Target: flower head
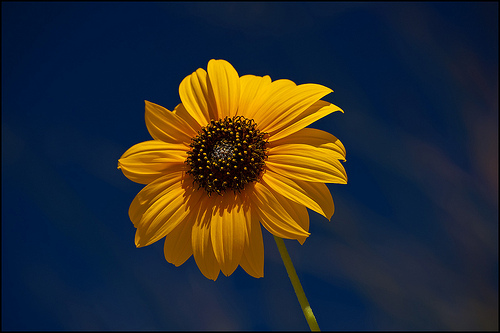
234,154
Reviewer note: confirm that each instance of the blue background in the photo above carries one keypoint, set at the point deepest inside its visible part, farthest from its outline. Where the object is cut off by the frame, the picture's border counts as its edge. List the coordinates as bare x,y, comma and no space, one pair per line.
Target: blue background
413,244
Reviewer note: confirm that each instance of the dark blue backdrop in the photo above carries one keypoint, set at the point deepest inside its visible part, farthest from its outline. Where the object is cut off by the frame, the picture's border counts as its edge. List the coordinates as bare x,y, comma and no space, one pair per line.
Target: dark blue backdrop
413,243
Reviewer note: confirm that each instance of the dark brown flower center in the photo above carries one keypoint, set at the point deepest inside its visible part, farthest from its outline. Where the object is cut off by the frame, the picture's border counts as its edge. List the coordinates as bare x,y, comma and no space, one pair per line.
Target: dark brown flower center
227,154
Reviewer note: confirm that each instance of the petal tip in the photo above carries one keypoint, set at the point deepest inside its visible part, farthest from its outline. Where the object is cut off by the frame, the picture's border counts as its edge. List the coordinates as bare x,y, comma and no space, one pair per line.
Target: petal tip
302,240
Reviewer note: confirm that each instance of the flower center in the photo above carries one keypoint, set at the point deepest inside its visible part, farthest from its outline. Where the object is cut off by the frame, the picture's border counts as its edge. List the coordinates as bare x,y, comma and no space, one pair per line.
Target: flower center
227,154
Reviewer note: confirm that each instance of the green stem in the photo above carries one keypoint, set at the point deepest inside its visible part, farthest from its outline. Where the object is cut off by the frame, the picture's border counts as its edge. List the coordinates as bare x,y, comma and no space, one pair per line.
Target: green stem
304,304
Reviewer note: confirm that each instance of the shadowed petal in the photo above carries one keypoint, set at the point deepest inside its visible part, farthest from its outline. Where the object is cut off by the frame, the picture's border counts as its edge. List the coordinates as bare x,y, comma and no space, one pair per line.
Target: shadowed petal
252,260
177,248
228,232
201,241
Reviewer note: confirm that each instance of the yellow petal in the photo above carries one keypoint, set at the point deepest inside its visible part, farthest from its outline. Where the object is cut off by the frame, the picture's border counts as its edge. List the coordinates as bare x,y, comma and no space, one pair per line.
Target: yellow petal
252,260
177,248
194,95
228,232
298,213
316,111
166,126
153,192
181,111
146,161
282,107
316,138
314,196
307,163
273,216
161,206
201,241
224,86
262,106
251,88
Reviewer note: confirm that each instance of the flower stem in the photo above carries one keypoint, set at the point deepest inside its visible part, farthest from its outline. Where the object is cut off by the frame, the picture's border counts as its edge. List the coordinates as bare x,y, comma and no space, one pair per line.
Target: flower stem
304,304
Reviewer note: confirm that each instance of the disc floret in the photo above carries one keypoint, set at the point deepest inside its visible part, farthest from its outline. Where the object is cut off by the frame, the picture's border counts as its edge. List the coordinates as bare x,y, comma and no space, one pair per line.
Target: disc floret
227,154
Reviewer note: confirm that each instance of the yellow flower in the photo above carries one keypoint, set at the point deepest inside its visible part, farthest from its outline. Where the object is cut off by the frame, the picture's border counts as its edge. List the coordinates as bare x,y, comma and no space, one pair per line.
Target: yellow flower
234,154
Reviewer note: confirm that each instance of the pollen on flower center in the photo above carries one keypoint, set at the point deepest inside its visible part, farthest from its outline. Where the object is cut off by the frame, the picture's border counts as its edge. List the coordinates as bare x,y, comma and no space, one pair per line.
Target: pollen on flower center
227,154
223,151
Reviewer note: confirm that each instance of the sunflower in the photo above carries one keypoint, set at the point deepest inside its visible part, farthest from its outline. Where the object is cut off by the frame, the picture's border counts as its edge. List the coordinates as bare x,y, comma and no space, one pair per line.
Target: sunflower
234,154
